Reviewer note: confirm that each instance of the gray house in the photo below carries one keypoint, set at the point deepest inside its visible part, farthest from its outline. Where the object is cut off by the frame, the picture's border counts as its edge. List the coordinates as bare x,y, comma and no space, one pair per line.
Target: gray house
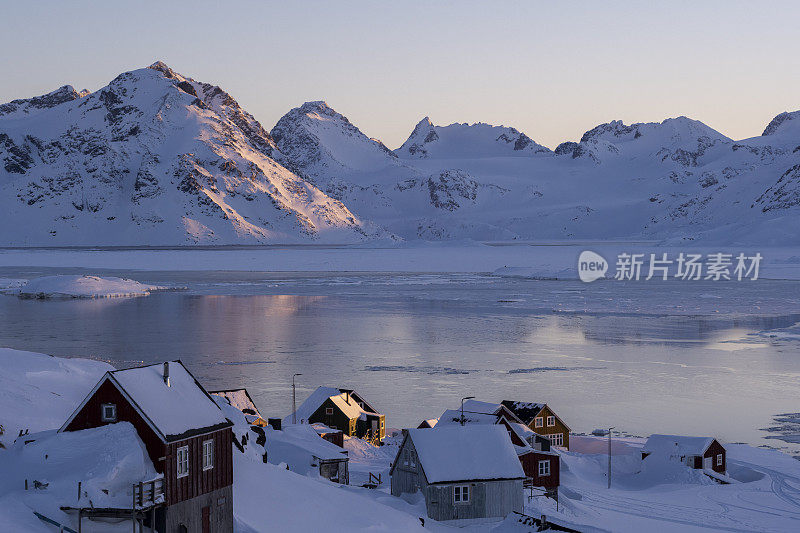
464,472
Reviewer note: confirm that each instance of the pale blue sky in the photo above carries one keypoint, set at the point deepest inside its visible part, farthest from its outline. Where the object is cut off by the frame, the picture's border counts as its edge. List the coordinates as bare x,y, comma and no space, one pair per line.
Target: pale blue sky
550,69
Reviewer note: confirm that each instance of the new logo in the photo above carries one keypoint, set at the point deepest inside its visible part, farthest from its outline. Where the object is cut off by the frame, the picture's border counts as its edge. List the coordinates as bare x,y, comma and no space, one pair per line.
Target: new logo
591,266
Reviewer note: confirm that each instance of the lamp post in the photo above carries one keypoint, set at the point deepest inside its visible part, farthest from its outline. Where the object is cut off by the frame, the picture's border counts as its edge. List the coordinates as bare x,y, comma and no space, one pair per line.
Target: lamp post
609,457
294,400
462,408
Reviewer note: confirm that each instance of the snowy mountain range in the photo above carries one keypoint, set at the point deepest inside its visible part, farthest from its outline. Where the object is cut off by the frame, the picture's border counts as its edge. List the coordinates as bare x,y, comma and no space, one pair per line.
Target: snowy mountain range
157,158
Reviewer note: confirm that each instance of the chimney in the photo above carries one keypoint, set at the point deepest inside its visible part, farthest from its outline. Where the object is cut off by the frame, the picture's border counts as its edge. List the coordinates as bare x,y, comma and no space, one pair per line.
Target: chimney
166,373
348,397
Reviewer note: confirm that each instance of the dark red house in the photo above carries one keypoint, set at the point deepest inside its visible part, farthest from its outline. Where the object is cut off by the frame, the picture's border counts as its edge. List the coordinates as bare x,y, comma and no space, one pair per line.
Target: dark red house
186,436
541,466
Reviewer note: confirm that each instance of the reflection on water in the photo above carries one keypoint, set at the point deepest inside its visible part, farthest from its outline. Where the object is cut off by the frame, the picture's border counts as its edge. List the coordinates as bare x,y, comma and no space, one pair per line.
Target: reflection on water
418,347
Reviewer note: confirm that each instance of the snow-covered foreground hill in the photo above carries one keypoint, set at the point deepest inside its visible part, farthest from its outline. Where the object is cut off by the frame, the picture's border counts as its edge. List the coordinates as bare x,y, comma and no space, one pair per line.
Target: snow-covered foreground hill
38,391
157,158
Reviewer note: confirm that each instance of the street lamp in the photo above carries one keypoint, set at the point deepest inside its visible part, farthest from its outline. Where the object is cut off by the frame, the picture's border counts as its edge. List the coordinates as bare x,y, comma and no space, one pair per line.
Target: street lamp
462,408
294,400
609,457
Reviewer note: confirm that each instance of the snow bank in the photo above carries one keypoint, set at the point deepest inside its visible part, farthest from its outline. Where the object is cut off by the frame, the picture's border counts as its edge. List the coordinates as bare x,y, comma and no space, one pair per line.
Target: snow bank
107,461
303,504
63,286
38,392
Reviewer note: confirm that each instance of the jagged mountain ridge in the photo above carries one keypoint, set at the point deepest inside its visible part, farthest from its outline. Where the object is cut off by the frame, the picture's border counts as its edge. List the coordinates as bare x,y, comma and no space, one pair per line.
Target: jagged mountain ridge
676,180
159,158
456,140
154,158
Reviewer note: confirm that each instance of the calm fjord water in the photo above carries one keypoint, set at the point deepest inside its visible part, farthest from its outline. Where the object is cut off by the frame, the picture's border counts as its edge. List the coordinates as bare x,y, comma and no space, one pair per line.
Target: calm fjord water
644,357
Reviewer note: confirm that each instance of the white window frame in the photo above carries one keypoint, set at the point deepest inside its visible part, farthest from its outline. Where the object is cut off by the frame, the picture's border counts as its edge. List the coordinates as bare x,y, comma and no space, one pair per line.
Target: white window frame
544,468
556,439
719,459
329,411
461,493
538,422
182,461
113,417
551,421
208,454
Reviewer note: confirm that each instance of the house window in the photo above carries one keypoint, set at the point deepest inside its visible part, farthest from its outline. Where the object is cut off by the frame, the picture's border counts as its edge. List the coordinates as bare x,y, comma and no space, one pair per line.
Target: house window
538,422
329,410
551,421
383,424
412,459
461,494
183,461
208,454
556,439
108,412
544,468
719,459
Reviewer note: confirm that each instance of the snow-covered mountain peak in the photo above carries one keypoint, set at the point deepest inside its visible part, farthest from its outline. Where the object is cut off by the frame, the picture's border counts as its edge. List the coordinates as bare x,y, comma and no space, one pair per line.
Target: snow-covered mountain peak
28,106
672,130
681,140
467,140
318,140
785,122
155,157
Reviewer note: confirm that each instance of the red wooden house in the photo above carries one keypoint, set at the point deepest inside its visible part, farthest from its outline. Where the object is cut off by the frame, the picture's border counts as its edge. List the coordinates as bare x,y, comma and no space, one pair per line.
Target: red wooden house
541,466
186,436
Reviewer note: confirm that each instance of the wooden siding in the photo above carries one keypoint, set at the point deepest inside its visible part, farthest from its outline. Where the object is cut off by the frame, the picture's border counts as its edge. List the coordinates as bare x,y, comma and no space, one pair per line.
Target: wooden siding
488,499
90,417
199,481
337,420
712,451
530,464
407,478
545,430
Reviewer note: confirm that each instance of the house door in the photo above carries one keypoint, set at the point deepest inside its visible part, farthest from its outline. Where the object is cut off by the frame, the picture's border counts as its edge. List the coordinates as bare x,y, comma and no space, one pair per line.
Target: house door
207,519
374,427
707,463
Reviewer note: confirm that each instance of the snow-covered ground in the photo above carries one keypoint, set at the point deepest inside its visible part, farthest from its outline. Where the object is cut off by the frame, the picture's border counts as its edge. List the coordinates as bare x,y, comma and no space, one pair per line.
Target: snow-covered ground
66,286
38,391
669,497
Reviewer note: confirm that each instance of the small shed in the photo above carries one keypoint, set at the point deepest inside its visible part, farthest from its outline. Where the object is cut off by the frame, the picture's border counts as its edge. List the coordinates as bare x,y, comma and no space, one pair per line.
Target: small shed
464,472
241,400
334,436
695,452
303,451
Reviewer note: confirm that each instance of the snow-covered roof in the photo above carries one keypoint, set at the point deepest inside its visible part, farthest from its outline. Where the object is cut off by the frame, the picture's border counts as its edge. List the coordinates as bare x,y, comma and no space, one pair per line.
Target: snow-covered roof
478,406
339,397
175,411
466,453
303,438
322,429
240,399
453,416
525,411
677,445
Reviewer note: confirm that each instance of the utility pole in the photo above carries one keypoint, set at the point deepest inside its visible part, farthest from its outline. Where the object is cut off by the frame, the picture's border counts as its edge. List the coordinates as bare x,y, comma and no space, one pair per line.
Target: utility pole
294,400
609,457
462,408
